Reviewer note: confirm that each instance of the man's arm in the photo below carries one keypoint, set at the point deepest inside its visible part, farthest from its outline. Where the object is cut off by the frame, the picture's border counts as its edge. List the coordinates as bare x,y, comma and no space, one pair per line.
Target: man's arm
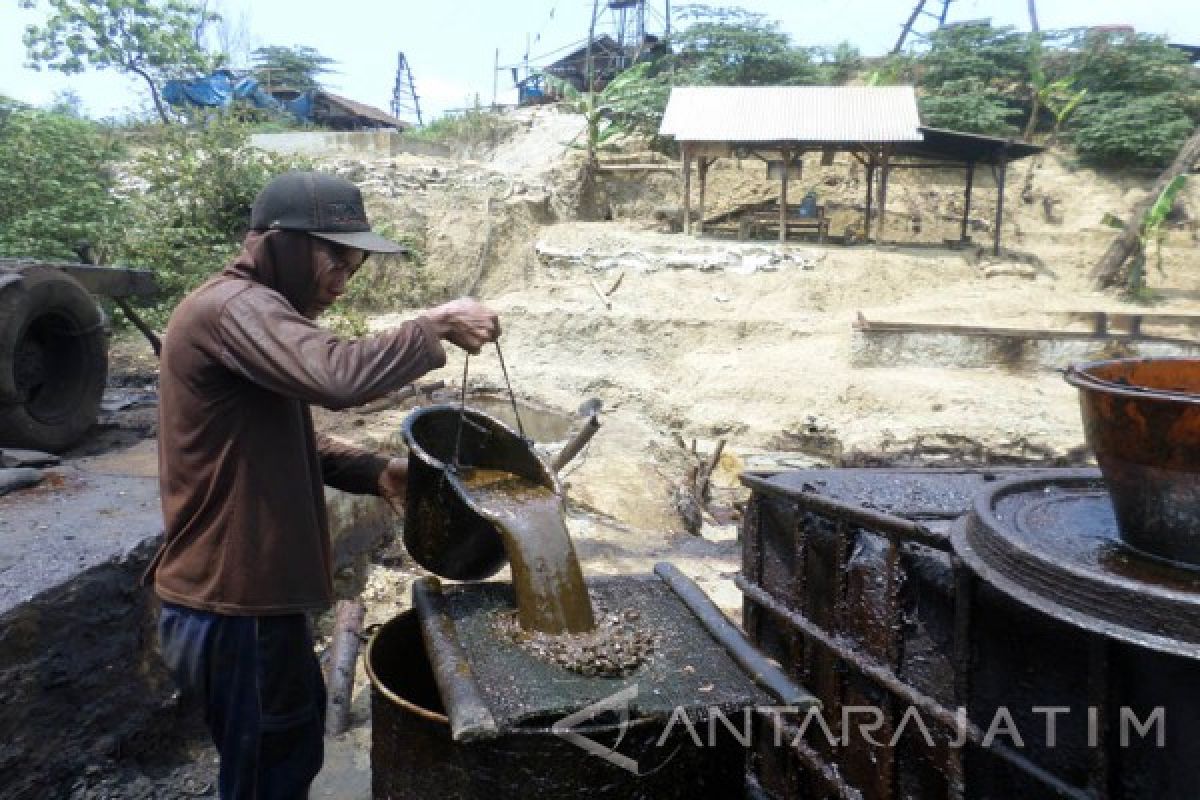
266,342
358,471
349,468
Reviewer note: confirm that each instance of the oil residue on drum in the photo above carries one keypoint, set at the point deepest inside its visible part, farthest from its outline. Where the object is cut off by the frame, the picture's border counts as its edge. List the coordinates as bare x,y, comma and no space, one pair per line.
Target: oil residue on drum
547,579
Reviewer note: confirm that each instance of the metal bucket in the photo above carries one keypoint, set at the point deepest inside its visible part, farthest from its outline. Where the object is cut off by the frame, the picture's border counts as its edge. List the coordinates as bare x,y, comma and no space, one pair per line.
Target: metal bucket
414,757
1141,417
442,531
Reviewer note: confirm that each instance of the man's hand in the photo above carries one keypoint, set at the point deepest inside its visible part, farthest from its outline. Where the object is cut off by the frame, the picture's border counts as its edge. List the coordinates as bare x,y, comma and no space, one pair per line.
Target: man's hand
465,322
393,483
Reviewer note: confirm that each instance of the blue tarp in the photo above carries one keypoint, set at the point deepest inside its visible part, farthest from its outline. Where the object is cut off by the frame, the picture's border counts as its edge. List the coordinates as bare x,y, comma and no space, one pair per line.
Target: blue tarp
220,89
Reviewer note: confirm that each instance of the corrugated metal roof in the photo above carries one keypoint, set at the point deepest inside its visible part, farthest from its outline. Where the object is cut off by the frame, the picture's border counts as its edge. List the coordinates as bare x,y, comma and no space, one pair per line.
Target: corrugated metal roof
792,113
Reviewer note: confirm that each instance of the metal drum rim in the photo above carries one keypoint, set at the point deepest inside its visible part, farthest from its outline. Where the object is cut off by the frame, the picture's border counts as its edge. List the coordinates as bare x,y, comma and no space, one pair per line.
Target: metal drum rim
993,558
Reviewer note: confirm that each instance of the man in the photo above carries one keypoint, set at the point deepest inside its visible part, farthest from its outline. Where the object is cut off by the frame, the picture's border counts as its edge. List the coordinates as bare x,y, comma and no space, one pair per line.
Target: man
247,552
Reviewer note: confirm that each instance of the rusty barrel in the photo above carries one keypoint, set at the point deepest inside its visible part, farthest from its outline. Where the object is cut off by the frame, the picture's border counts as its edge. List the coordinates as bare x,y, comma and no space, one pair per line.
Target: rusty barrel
1141,417
442,532
414,755
999,597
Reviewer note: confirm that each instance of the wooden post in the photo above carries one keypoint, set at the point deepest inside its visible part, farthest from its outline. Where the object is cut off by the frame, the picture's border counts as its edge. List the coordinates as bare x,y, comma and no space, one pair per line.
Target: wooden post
962,236
870,195
496,80
702,167
1000,198
343,657
883,187
783,203
687,189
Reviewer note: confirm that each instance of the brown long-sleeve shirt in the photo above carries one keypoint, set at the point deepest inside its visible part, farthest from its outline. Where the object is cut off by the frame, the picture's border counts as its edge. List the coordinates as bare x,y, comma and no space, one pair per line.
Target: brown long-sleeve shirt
241,468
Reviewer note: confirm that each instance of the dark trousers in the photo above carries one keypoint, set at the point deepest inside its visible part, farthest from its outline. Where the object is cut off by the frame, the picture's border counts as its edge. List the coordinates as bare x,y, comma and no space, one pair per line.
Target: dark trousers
262,692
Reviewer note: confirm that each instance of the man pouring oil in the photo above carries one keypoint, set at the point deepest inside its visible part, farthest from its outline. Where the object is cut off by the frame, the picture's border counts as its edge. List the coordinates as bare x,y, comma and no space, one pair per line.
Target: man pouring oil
247,553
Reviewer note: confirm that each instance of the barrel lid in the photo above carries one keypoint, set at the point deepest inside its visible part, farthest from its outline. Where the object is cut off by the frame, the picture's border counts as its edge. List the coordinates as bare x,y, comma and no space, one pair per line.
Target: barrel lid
1050,542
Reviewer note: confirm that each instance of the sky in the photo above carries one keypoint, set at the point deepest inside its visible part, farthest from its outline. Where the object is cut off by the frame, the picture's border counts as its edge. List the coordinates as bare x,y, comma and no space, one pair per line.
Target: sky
451,45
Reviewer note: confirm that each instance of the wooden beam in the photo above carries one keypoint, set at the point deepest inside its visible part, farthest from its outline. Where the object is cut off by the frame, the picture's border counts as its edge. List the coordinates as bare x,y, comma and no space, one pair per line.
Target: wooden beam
783,203
1000,199
886,154
702,165
870,194
687,189
714,150
929,165
962,236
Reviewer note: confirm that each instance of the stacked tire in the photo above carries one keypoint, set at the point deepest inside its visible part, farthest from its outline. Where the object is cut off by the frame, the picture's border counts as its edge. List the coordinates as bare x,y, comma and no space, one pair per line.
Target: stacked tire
53,360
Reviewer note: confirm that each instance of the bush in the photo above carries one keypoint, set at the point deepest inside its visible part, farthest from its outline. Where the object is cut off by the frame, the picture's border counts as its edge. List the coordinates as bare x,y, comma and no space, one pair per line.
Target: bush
55,177
968,105
976,52
466,130
1116,129
1134,64
188,199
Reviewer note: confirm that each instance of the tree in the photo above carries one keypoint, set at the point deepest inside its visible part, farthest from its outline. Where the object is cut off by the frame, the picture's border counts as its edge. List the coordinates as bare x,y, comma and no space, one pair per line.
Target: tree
974,77
969,105
734,47
296,68
1116,129
718,46
153,40
1126,62
55,183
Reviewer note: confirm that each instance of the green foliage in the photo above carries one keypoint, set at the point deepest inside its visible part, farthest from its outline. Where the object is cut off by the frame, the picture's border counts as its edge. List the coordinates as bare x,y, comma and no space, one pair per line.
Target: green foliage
1128,63
1060,99
1116,129
974,78
630,102
892,70
468,129
298,68
195,186
735,47
153,40
980,52
55,177
839,64
969,105
715,47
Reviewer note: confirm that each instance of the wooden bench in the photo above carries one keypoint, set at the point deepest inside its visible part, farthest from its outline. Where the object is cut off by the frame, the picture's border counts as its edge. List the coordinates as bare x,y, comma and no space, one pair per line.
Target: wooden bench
759,223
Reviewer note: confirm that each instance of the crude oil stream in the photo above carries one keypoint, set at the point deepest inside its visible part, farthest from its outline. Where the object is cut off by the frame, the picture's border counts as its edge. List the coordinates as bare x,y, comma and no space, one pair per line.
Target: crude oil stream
547,579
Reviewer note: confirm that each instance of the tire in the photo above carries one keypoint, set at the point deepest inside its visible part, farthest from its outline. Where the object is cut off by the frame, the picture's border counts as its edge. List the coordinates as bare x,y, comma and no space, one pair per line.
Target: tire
53,360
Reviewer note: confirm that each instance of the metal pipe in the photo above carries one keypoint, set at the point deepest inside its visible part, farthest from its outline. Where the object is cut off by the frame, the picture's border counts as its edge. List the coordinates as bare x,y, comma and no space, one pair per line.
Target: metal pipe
886,679
140,324
757,666
580,440
893,527
469,716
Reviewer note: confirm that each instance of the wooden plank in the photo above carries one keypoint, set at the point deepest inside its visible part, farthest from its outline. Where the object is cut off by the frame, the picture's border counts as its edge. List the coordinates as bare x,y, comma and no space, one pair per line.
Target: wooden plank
710,149
877,326
687,189
111,281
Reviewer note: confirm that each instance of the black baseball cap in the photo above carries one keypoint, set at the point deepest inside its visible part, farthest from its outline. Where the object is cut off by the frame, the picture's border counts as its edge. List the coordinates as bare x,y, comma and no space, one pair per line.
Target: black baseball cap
322,205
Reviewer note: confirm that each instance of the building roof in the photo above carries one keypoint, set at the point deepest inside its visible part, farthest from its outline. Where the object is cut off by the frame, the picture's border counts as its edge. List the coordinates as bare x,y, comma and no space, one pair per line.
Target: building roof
792,114
948,145
355,109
